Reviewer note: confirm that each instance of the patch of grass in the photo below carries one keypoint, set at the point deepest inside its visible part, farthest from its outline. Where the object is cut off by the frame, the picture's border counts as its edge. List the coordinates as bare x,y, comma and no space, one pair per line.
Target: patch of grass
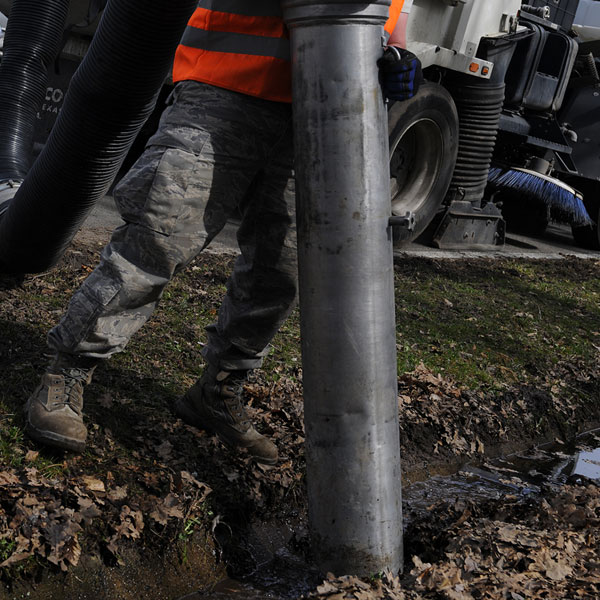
189,527
14,448
7,547
11,440
285,356
485,323
489,323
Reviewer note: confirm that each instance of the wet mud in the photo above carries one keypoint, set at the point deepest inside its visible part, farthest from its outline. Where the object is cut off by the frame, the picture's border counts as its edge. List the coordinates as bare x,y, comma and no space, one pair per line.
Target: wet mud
282,573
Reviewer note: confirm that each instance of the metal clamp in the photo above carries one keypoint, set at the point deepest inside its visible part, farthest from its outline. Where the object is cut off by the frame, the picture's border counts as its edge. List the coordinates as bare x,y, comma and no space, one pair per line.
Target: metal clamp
407,221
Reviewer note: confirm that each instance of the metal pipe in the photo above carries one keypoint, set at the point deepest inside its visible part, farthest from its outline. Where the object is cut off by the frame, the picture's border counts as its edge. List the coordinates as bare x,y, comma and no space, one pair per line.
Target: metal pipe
346,285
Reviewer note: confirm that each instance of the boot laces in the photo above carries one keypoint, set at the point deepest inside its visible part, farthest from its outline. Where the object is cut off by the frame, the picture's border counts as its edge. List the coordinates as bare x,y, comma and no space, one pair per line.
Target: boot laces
230,390
73,397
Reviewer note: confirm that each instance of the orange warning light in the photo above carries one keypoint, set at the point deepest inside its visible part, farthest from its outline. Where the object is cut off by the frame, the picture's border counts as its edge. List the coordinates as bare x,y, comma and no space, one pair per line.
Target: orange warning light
474,67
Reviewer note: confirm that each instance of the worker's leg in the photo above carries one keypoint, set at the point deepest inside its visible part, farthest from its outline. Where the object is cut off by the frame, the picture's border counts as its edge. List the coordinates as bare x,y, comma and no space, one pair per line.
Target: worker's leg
261,292
174,201
172,208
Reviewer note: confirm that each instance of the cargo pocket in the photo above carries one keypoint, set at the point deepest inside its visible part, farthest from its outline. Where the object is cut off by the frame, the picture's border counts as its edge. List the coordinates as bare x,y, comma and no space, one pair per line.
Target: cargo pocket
166,199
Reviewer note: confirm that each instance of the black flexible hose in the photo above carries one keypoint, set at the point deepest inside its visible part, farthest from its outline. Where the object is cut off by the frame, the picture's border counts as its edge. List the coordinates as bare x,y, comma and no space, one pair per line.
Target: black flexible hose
479,107
32,39
109,98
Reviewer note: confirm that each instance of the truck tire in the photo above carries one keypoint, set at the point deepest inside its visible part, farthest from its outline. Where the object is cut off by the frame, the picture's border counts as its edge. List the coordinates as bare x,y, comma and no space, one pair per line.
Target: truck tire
423,135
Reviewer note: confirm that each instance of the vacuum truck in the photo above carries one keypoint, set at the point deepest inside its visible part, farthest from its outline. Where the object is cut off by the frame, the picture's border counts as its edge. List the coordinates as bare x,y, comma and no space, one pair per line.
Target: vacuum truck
505,130
516,85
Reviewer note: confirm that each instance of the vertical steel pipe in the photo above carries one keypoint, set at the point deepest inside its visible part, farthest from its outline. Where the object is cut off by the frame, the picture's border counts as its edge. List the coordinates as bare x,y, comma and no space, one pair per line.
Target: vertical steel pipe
346,285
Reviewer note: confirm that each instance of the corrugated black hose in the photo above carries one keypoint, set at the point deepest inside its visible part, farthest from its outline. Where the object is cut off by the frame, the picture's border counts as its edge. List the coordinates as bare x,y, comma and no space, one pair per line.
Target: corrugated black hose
32,39
110,96
479,107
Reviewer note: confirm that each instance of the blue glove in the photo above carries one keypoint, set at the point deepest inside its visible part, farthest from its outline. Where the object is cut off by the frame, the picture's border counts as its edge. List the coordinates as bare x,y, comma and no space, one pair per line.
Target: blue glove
400,73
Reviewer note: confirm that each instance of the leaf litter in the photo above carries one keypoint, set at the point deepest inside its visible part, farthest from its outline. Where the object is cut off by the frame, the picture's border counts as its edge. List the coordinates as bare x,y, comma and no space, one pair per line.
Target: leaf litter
146,477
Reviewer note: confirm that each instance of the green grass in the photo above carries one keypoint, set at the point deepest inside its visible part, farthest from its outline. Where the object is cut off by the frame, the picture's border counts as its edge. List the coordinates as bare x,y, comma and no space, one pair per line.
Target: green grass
486,323
7,547
13,448
497,322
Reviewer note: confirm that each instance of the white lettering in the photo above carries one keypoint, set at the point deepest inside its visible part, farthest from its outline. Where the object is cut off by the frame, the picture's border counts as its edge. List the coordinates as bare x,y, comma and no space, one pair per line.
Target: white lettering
55,95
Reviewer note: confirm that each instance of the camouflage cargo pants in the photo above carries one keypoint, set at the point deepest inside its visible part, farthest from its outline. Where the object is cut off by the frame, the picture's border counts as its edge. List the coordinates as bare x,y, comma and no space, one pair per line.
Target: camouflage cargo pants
216,152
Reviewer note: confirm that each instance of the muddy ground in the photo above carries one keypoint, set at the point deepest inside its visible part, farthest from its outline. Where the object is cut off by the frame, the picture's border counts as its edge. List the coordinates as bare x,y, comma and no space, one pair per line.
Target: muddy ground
157,509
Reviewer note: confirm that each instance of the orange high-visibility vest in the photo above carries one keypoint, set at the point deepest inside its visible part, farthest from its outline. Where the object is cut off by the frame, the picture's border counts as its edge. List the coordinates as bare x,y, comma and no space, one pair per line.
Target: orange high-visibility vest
243,45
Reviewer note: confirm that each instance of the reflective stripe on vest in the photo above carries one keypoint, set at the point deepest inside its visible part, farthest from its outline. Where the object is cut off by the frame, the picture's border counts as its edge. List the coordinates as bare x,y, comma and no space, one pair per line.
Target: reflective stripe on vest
236,43
242,45
248,8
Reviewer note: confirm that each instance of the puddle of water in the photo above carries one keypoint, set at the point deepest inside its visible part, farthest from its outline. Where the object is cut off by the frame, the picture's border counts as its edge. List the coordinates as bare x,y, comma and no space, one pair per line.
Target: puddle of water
588,464
554,463
520,474
228,589
265,565
279,574
284,578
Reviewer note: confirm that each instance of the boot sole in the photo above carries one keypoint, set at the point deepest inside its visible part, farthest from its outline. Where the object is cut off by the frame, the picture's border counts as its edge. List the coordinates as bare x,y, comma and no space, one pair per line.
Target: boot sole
50,438
191,418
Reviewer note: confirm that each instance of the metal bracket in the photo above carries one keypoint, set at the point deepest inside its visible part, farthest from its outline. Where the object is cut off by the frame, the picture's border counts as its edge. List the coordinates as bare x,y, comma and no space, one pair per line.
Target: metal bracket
432,54
407,221
467,227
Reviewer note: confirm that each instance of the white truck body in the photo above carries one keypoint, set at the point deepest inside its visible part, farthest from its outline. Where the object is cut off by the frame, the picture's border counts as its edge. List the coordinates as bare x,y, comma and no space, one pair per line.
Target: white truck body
587,20
446,33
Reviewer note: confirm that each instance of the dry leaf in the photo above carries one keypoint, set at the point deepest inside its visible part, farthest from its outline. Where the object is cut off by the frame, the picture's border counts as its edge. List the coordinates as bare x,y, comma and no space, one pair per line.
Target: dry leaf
93,484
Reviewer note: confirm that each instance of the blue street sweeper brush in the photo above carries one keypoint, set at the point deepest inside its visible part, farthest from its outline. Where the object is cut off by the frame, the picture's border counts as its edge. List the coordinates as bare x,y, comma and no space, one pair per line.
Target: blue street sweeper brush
525,186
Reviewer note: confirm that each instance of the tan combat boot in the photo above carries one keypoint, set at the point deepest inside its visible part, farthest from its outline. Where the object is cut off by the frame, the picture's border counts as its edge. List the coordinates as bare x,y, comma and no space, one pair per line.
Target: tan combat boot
55,410
214,403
